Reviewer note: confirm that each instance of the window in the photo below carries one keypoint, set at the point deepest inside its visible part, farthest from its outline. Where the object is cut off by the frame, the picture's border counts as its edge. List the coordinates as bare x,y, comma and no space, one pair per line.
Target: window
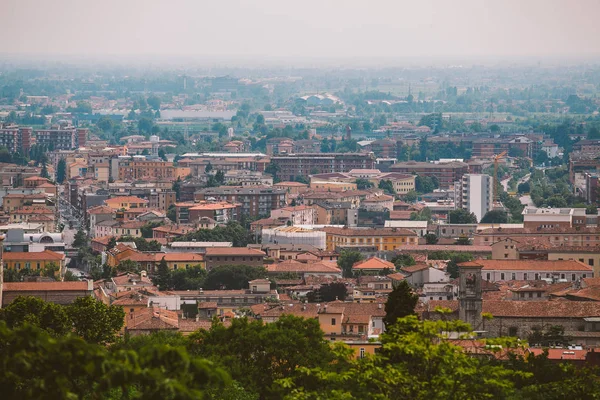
530,295
505,255
488,276
573,277
537,277
562,276
525,276
584,276
513,330
362,352
539,294
332,321
502,276
513,276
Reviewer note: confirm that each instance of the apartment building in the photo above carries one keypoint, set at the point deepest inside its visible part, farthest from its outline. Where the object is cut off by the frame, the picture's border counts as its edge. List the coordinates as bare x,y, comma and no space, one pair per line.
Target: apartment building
381,239
475,194
216,257
255,201
446,172
16,139
61,136
523,270
139,168
298,215
293,165
220,211
534,218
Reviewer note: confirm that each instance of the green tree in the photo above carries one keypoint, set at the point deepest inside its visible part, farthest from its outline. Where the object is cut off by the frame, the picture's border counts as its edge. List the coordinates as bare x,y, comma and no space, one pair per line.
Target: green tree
146,229
329,292
233,277
463,241
50,270
401,302
177,189
128,266
208,167
431,238
44,172
172,213
154,102
162,279
455,258
105,124
387,186
258,354
362,184
145,125
188,279
347,259
495,217
461,216
112,242
80,239
61,170
50,317
403,260
220,177
94,321
273,169
410,196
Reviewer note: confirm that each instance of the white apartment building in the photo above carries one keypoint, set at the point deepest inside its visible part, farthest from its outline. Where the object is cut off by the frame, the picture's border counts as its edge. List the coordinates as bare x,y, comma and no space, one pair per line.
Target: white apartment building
475,194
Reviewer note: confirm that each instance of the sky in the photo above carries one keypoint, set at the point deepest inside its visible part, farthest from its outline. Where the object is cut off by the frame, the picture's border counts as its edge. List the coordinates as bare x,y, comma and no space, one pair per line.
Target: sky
311,29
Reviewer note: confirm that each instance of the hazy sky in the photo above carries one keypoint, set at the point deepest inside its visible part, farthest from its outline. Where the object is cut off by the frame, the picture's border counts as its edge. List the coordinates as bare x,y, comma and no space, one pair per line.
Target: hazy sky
302,28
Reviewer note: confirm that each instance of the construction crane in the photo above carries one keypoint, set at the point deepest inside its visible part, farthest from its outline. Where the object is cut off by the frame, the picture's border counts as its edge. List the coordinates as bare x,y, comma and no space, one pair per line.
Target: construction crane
497,158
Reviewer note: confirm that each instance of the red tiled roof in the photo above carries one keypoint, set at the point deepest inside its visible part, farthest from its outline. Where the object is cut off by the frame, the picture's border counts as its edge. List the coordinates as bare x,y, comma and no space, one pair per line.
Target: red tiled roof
531,265
369,232
45,286
233,251
46,255
374,263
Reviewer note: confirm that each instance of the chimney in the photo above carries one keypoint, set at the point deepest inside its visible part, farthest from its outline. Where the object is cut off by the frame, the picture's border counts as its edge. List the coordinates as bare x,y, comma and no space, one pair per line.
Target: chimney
380,306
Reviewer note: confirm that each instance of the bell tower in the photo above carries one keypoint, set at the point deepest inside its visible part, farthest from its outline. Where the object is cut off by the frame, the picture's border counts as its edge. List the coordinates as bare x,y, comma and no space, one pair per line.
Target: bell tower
470,296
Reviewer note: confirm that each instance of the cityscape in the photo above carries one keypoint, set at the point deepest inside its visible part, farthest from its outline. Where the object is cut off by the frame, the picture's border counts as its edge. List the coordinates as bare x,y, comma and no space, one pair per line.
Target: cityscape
251,200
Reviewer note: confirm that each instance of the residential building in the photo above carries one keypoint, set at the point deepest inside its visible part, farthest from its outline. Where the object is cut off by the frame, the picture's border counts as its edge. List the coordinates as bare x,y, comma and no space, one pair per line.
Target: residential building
576,236
139,168
335,213
373,265
297,215
219,211
292,188
534,218
418,227
504,270
296,235
36,261
216,257
55,292
446,172
126,202
381,239
475,194
62,136
16,139
293,165
255,201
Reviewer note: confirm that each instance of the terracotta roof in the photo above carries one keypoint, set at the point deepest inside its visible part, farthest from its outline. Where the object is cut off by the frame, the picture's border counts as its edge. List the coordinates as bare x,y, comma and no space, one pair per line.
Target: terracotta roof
560,354
233,251
100,210
530,265
169,257
415,268
207,304
125,199
33,210
46,255
398,276
297,184
153,319
374,263
329,267
45,286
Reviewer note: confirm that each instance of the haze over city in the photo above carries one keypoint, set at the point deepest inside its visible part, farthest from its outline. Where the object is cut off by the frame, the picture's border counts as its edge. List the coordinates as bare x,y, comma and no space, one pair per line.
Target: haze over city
272,30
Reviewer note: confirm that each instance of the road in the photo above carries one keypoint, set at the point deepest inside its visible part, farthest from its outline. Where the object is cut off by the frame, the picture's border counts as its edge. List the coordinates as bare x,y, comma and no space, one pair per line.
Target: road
525,200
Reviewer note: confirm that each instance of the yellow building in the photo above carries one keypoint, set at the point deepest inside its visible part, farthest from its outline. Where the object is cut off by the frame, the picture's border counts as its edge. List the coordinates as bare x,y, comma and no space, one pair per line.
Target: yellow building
402,183
102,172
77,168
150,261
126,202
383,239
331,186
36,261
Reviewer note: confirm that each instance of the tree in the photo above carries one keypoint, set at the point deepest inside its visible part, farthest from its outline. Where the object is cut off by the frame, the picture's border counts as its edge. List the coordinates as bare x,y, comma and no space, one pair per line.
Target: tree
43,367
220,177
401,302
387,186
105,123
431,238
147,229
61,170
172,213
495,217
50,317
44,172
94,321
463,241
362,184
112,242
162,279
50,270
403,260
410,196
272,169
461,216
177,188
456,258
208,167
258,354
233,277
191,278
426,184
329,292
80,239
347,259
128,266
524,187
154,102
145,125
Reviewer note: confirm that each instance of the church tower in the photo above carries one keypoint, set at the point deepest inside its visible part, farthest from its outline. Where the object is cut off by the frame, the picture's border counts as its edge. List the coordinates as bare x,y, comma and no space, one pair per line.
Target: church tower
470,294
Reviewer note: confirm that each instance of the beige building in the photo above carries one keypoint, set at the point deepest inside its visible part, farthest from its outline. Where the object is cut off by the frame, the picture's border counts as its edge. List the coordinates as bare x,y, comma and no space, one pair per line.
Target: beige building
382,239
